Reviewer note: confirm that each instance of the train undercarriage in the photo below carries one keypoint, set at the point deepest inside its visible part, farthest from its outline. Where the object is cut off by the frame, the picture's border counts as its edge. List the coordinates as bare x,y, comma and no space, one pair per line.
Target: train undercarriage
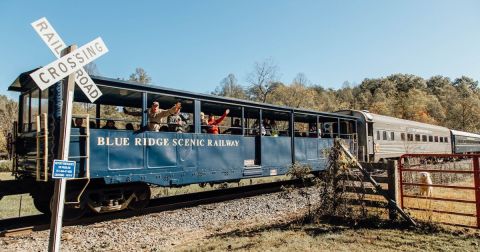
81,198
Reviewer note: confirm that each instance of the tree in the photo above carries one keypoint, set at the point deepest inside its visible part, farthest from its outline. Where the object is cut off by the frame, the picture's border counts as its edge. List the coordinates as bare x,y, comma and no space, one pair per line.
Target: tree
229,87
8,114
262,80
140,76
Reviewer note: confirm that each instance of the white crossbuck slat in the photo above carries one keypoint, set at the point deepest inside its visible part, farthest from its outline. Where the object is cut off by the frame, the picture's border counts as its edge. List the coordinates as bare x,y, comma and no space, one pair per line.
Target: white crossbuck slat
56,45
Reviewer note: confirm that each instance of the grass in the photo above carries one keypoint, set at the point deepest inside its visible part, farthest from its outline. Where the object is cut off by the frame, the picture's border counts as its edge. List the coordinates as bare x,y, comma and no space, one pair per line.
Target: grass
326,237
449,193
15,205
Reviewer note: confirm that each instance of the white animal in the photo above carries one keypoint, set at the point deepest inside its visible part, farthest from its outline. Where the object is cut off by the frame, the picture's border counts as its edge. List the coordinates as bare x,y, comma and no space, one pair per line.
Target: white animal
426,179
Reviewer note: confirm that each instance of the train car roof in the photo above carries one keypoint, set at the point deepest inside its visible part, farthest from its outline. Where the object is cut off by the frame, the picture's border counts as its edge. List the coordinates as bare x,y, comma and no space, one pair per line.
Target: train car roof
463,133
111,94
372,117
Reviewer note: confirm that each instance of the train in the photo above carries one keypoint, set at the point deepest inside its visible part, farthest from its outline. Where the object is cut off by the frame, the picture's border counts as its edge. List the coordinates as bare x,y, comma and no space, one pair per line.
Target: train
118,162
381,138
116,165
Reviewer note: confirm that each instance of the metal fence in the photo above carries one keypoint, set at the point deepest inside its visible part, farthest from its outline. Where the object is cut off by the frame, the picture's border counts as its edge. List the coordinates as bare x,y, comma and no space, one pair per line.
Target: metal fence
442,188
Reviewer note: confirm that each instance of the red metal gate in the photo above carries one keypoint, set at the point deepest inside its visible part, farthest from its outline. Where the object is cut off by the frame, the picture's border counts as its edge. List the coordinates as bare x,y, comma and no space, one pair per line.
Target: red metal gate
443,188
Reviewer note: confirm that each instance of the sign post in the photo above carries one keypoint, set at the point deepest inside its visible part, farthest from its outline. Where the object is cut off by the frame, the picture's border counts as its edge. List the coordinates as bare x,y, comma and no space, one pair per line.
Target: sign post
64,141
70,63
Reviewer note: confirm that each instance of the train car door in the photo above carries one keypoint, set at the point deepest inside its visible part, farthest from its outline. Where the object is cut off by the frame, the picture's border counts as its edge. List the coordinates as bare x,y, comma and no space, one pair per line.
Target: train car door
370,143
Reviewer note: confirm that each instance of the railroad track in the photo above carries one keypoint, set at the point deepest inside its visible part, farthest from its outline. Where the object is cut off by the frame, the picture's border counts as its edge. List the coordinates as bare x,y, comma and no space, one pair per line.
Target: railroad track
22,225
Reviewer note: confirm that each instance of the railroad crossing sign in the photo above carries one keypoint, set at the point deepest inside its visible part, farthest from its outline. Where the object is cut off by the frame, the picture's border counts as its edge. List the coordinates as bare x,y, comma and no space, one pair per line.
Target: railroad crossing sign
72,62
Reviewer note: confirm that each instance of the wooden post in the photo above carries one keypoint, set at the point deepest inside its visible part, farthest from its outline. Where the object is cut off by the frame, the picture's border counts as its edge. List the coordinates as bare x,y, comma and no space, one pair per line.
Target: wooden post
393,187
64,144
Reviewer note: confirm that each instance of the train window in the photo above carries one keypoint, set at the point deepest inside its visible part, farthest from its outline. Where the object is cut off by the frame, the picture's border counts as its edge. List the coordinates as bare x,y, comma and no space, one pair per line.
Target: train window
441,139
80,109
302,124
392,136
417,137
430,138
25,112
44,102
446,139
275,123
402,136
232,124
378,135
424,138
410,137
217,110
436,139
385,136
34,108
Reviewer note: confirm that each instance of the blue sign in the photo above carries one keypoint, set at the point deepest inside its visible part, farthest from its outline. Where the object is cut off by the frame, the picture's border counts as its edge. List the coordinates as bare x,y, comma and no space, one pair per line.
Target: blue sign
63,169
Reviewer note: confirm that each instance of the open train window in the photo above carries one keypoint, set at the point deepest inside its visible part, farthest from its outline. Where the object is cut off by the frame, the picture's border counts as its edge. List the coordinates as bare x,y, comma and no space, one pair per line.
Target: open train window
424,138
275,123
25,112
216,111
306,123
430,138
436,139
417,137
392,136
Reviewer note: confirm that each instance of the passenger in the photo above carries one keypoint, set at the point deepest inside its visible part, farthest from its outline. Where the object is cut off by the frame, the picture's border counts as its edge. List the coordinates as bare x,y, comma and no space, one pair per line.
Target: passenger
267,126
110,125
155,114
92,125
177,123
236,128
274,129
312,131
204,123
213,129
255,129
78,122
129,126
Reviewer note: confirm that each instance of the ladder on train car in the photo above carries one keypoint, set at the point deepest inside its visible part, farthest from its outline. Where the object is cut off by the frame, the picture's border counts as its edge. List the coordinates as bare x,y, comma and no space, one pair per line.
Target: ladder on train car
42,137
86,157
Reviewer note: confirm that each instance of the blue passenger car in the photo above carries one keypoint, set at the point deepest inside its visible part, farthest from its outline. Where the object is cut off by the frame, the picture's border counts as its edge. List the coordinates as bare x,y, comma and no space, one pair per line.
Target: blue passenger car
117,164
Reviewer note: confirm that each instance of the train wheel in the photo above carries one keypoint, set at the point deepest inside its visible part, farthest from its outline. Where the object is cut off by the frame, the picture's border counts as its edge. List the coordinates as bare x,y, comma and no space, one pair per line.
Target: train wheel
42,204
142,193
72,212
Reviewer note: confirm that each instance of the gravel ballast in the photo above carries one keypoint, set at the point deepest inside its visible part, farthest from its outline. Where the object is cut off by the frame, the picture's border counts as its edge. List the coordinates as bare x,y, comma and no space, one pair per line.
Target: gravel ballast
165,230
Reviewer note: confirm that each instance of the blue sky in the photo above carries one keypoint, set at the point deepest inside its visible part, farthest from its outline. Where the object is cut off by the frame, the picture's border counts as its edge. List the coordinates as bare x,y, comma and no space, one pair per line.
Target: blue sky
192,45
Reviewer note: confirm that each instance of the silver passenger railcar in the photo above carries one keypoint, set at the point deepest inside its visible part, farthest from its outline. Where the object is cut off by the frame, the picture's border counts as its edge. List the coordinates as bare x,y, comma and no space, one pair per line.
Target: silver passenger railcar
465,142
384,137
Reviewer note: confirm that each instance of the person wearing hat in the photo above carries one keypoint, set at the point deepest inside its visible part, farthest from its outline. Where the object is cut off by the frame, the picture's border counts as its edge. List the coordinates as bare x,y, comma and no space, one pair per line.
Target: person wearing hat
155,114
